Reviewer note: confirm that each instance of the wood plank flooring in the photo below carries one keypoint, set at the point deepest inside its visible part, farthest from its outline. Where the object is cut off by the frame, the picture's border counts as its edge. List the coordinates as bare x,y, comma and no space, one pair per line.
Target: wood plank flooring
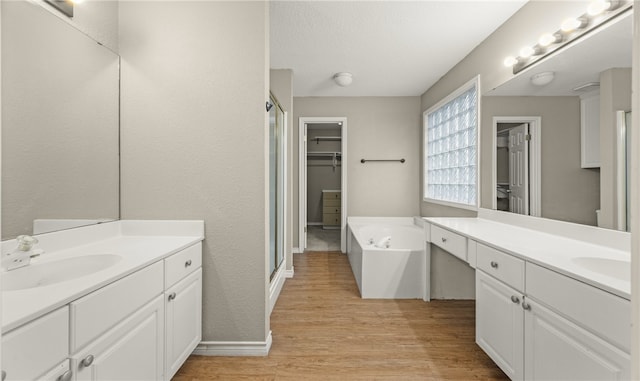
323,330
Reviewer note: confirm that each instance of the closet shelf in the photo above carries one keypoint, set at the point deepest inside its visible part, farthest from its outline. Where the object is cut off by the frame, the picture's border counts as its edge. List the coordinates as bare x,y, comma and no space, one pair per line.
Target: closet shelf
328,138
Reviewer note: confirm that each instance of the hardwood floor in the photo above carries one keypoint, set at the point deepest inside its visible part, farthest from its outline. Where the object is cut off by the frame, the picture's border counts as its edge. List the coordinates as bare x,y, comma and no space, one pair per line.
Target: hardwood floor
322,329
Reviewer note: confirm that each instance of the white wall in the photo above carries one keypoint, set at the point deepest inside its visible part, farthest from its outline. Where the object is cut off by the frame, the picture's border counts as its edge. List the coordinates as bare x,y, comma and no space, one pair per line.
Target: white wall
195,79
378,128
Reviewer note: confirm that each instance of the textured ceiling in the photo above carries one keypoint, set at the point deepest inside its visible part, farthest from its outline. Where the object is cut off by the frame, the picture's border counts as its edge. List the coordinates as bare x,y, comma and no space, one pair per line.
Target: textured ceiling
392,48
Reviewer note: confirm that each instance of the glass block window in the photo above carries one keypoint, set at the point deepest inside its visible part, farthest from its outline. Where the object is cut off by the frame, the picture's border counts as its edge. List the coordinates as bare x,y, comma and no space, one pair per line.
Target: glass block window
451,149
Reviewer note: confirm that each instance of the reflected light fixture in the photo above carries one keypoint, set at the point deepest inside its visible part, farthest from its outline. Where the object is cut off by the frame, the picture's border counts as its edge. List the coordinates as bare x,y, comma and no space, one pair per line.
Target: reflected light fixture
598,13
343,79
64,6
544,78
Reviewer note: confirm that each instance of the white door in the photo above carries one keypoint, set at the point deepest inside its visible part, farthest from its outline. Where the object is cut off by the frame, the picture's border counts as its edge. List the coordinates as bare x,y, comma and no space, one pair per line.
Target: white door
519,169
557,349
303,194
500,324
183,322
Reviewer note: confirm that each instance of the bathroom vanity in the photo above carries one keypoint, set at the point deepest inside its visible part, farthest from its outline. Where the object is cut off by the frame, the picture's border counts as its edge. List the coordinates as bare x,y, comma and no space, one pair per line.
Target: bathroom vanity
552,298
121,300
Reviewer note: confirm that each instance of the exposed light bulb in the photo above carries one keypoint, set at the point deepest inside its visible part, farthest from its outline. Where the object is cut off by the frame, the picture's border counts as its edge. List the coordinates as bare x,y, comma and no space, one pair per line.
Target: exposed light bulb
510,61
572,23
548,39
598,6
527,52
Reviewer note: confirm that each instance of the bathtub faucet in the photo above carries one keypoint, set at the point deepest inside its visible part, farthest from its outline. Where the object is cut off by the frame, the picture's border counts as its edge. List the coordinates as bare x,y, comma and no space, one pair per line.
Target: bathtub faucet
384,243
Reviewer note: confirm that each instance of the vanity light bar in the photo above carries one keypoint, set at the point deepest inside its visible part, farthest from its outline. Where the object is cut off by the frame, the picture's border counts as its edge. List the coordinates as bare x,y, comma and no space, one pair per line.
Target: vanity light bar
598,13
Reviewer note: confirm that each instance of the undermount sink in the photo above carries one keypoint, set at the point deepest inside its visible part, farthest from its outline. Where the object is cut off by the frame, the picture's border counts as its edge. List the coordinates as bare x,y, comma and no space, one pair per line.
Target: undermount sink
610,267
47,273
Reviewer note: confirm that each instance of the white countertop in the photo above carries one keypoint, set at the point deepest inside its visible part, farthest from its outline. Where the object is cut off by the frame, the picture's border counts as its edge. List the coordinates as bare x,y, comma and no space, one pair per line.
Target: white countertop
554,252
138,243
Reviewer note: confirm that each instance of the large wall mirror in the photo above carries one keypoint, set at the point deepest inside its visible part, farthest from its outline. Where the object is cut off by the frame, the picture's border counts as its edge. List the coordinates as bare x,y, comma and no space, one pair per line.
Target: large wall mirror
553,137
60,124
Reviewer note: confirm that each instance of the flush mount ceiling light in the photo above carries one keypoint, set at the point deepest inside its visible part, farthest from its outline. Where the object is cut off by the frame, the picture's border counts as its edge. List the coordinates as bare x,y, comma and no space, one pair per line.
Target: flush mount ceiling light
598,13
343,79
543,78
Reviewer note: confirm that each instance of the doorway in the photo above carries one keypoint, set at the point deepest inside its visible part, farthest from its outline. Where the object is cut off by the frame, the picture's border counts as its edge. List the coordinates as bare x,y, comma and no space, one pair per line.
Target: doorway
322,184
516,165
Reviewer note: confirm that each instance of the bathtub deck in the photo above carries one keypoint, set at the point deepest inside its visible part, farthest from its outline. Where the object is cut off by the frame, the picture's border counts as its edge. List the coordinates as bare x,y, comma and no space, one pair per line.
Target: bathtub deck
322,329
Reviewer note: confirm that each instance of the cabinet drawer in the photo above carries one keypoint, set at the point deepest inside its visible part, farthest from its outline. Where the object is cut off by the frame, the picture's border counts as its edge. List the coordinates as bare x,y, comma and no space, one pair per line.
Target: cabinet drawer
182,264
331,219
331,202
449,241
97,312
31,350
331,195
502,266
331,210
599,311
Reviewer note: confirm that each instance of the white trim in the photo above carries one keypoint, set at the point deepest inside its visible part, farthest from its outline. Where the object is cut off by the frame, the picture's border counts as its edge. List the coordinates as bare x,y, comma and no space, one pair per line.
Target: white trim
425,117
285,187
296,250
535,160
314,223
621,162
234,348
302,177
302,181
275,288
289,273
635,204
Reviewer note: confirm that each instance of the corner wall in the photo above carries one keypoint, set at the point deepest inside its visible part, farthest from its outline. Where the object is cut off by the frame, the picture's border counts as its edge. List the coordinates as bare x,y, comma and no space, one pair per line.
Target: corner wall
195,79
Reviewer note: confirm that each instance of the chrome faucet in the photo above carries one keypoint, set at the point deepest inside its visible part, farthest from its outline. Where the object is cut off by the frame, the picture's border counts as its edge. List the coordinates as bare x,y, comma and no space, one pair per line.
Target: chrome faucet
21,255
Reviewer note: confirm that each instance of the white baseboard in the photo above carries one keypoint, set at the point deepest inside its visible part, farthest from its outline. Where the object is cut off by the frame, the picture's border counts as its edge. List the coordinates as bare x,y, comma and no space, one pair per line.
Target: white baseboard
274,289
234,348
314,223
288,273
296,250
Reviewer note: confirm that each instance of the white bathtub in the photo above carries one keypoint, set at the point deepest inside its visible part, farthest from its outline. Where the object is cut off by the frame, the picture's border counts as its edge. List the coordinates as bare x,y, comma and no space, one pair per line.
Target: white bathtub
397,272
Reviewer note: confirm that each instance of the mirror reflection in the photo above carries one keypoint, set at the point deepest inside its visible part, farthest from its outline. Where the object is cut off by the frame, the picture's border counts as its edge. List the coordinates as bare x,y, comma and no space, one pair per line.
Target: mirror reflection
60,155
555,135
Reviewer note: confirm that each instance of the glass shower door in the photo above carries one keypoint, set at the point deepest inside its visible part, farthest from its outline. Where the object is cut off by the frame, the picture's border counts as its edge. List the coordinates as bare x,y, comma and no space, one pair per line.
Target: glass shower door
276,187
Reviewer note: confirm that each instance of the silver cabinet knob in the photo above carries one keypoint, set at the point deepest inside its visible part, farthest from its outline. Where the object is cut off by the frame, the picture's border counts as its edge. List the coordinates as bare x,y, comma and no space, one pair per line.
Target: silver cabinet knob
494,264
172,296
515,299
87,361
66,376
187,263
444,239
526,306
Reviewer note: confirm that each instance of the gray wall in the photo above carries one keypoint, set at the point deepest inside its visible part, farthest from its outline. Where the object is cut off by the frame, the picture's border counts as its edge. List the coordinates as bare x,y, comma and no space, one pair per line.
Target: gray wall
377,127
569,192
195,79
615,94
281,86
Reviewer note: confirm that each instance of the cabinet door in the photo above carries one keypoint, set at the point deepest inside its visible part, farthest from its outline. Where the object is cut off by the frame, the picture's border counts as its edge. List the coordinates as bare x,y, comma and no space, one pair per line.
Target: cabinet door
500,324
133,350
557,349
184,321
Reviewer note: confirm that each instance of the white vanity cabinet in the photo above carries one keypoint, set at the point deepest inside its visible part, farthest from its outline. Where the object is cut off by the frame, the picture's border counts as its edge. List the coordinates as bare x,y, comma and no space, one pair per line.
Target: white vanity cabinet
142,326
500,324
183,306
133,350
46,340
537,324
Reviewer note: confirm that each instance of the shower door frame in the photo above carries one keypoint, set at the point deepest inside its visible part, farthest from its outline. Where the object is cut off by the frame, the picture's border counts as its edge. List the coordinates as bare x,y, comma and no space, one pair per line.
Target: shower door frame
302,178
